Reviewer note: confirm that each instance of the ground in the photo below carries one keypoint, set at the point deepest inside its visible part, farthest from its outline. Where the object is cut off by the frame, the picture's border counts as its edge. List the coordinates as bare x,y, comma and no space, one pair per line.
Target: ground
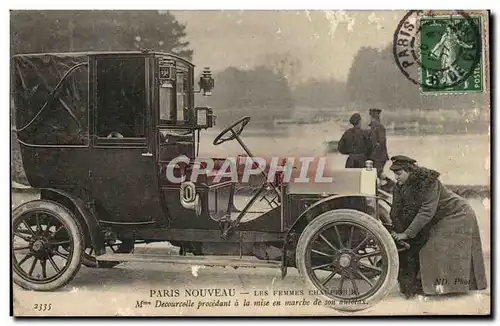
117,291
111,292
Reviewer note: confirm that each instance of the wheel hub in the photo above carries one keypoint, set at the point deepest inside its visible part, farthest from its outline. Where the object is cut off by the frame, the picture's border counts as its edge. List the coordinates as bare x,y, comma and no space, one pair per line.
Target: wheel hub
345,260
38,246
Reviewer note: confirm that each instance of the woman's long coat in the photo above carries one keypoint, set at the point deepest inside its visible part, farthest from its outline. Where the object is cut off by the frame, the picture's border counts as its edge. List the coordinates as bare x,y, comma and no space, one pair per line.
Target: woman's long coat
445,251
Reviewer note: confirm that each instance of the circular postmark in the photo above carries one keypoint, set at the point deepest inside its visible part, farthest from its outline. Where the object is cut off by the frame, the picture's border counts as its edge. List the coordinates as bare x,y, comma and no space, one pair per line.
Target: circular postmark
438,50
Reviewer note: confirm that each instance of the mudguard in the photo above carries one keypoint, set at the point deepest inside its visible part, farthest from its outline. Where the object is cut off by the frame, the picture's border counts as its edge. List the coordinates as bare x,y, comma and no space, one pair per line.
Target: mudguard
85,216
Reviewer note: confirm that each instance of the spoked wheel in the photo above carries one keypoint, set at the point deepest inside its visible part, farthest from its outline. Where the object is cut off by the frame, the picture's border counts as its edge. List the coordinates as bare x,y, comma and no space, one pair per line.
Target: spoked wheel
348,259
124,247
47,245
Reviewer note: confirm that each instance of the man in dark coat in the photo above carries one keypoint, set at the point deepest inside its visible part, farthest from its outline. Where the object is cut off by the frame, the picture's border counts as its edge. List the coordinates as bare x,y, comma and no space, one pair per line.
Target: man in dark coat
378,142
354,142
445,254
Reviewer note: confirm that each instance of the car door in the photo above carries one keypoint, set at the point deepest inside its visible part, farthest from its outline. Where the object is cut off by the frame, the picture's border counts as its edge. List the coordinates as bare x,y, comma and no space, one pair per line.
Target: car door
124,179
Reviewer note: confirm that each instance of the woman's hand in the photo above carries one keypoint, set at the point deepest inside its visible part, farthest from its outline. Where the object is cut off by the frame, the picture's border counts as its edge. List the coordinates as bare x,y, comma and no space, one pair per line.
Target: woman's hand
400,237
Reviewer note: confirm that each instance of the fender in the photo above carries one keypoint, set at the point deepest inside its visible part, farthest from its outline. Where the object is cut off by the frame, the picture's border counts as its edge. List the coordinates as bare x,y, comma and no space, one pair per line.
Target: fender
85,216
305,218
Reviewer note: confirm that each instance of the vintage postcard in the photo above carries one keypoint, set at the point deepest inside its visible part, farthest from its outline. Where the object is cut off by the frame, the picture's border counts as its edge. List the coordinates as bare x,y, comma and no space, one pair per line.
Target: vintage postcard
250,163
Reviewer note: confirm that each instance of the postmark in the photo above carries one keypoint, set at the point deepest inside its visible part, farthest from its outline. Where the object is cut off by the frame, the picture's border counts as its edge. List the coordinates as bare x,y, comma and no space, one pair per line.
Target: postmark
441,51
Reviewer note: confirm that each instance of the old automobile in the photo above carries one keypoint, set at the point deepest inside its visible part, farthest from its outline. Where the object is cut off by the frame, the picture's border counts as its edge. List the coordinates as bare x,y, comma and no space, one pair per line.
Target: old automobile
98,132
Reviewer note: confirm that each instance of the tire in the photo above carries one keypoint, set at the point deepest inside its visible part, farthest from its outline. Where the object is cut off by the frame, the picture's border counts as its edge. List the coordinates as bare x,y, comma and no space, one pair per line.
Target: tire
42,247
88,260
353,220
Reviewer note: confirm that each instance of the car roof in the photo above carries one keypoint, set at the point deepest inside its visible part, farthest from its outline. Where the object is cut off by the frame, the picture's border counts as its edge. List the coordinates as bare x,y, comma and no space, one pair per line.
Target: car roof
100,53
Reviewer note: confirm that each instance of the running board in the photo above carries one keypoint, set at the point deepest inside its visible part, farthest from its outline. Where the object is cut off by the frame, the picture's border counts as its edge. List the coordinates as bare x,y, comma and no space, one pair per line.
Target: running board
192,260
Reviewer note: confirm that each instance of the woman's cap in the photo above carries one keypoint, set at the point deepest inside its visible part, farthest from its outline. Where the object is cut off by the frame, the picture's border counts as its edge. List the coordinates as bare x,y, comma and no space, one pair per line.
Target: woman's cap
400,162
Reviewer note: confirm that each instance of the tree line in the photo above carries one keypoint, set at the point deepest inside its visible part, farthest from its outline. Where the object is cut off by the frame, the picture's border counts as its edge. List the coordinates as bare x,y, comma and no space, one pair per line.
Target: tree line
374,80
35,31
268,91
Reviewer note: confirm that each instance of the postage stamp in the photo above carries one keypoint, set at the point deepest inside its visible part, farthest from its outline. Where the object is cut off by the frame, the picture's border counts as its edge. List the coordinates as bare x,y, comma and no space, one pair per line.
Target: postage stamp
441,51
243,163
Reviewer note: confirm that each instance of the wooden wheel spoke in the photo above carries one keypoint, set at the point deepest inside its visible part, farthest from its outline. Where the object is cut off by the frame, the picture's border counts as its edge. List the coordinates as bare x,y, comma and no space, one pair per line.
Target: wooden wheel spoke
363,276
60,255
321,253
38,225
48,223
327,242
28,256
355,286
23,232
351,233
58,243
54,265
44,268
21,248
371,254
342,278
33,266
372,268
321,266
338,236
22,236
329,277
57,230
29,228
361,243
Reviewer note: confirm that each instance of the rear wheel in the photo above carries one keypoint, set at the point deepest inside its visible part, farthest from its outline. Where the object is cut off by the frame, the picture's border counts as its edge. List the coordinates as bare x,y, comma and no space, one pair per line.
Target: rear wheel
348,259
47,245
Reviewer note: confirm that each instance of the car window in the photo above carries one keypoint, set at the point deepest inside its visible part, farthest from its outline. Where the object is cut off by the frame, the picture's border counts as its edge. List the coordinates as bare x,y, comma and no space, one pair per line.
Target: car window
61,119
181,88
121,98
166,101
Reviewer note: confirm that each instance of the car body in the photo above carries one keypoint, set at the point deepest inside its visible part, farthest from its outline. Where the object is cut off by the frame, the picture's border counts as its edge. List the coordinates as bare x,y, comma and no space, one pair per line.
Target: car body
98,133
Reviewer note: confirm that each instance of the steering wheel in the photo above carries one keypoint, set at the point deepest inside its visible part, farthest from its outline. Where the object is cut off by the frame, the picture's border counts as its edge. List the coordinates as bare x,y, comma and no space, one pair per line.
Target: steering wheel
222,138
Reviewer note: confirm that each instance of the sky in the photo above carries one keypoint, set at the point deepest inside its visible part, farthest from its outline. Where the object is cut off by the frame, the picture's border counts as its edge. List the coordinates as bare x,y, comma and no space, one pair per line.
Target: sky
321,43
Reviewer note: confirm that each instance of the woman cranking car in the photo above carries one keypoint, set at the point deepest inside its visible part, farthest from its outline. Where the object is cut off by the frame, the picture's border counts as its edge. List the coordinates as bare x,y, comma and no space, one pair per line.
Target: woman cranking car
445,254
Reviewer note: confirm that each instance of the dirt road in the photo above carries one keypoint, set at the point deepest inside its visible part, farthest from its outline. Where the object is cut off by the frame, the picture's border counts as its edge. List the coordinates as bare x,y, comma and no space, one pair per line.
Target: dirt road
117,291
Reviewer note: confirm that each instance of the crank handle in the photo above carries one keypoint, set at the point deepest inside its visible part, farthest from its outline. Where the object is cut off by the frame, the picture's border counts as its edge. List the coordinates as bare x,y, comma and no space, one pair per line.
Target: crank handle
404,245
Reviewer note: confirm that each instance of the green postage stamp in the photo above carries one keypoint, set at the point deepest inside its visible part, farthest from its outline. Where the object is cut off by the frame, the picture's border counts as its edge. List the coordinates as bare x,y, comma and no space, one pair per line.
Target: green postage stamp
451,54
442,51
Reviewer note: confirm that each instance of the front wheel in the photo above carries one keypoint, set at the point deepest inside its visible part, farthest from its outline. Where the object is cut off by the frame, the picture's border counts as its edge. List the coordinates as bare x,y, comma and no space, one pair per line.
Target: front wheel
47,245
336,251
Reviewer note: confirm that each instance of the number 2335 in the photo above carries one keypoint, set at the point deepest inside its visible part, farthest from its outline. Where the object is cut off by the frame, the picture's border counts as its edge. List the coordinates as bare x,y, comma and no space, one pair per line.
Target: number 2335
42,306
